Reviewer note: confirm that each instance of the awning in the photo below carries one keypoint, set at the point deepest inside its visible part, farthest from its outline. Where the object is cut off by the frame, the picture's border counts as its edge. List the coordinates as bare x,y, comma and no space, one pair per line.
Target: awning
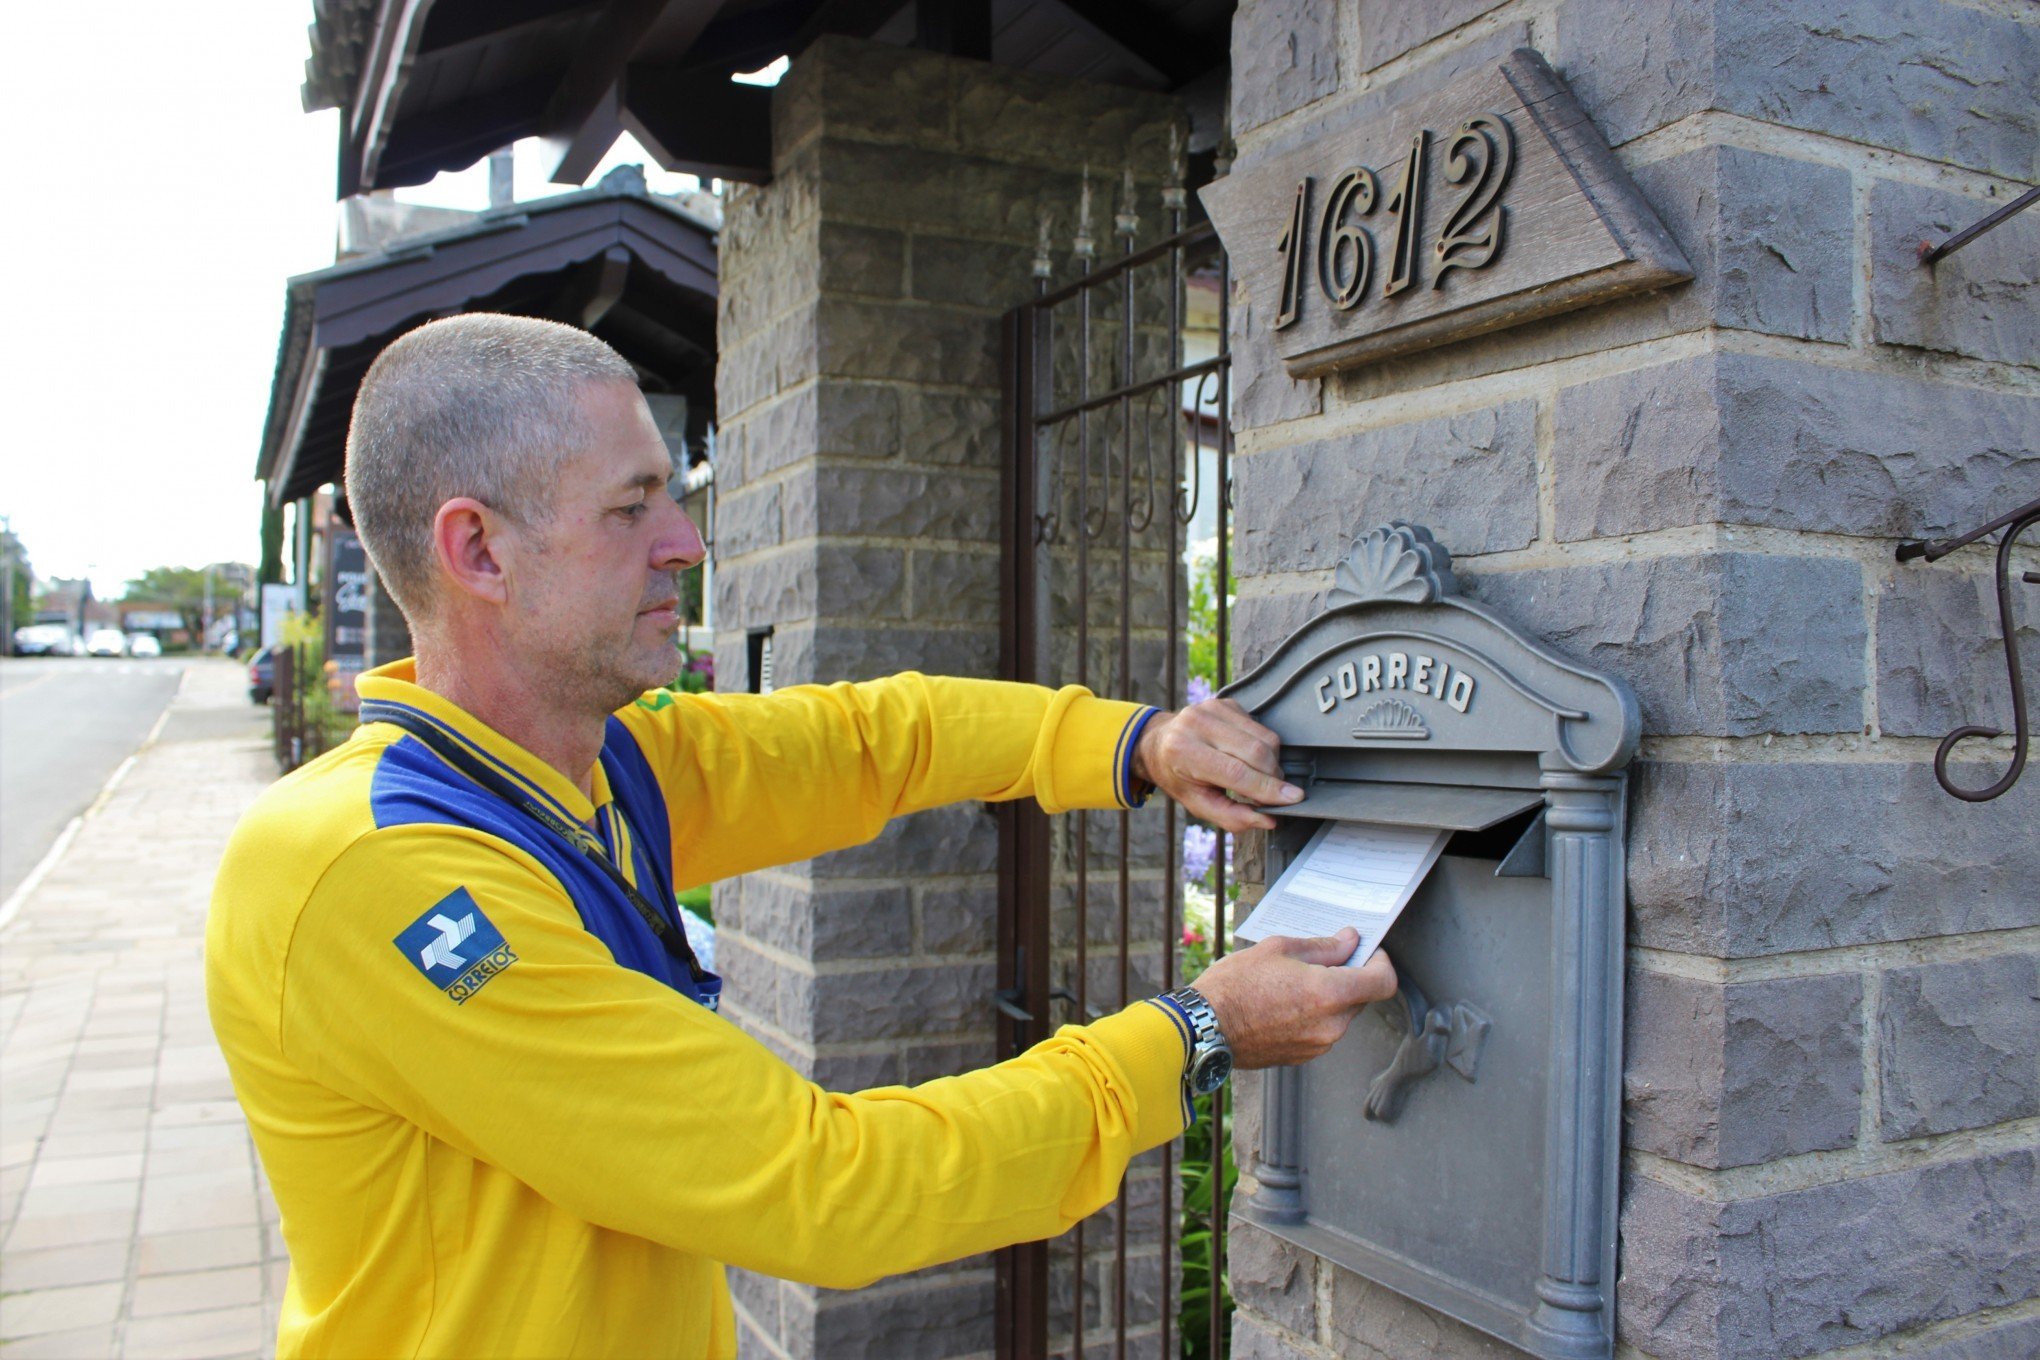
628,265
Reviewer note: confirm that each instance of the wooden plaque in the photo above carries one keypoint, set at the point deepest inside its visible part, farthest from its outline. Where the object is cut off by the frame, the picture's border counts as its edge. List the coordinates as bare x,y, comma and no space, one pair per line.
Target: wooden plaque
1487,203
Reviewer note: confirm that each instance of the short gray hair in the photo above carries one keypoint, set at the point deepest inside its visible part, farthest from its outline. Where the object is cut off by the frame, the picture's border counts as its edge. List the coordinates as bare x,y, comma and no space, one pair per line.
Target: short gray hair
481,405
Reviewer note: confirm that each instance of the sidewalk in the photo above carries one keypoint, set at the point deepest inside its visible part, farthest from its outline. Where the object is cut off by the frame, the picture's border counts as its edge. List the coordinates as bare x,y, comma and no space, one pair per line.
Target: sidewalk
135,1219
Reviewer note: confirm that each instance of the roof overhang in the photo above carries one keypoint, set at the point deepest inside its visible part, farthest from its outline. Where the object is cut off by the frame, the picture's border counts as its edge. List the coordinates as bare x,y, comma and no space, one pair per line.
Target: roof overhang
619,262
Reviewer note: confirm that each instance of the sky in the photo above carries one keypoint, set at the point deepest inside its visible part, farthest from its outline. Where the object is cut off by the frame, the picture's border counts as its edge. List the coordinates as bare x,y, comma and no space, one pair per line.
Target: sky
181,184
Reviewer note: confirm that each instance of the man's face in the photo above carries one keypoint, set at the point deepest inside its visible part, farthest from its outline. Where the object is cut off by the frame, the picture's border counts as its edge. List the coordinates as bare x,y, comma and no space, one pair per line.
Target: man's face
594,589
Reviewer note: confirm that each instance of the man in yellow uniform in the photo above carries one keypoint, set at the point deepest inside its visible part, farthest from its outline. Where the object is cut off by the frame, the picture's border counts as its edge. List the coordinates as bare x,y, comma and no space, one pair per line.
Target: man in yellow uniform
482,1065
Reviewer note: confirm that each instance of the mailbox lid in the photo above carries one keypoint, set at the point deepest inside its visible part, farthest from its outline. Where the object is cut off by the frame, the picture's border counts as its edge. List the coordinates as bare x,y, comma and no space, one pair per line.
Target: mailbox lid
1452,807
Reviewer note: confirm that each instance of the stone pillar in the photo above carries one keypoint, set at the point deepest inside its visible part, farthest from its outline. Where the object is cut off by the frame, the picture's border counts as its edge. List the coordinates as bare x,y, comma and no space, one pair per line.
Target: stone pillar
1831,1098
389,636
858,393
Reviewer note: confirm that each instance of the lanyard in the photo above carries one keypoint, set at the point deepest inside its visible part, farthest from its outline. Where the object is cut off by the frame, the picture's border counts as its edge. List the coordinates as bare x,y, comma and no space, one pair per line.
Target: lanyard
707,985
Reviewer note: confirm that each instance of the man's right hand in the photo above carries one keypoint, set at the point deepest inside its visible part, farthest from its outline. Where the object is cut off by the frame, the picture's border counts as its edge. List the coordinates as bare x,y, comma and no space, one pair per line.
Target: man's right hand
1285,1001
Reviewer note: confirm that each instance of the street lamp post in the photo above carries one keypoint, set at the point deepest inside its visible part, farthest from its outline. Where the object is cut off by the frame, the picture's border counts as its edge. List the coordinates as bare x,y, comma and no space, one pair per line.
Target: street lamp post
7,571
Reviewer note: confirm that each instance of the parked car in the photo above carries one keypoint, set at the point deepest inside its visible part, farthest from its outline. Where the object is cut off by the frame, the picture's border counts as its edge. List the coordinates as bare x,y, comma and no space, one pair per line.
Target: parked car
106,642
262,675
45,639
144,644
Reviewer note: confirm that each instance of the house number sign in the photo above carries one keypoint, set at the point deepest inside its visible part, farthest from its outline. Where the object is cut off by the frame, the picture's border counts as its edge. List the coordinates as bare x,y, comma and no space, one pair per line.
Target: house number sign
1395,226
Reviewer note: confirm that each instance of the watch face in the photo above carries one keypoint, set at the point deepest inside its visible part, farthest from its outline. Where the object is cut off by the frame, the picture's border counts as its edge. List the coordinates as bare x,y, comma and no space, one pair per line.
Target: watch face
1210,1071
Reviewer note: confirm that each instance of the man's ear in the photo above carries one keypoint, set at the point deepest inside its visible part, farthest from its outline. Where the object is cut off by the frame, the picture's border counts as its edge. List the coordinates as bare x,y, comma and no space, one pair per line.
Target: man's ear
465,536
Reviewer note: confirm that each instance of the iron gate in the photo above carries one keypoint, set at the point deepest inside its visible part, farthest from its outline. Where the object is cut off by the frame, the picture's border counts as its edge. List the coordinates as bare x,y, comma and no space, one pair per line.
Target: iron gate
1116,452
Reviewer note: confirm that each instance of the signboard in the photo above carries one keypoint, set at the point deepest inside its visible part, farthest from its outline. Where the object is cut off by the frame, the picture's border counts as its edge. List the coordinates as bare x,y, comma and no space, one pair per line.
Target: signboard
1482,205
151,620
277,601
346,616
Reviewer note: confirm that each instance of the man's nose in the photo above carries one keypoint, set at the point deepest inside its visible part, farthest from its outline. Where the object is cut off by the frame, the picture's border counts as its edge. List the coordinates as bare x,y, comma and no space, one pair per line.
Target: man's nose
680,547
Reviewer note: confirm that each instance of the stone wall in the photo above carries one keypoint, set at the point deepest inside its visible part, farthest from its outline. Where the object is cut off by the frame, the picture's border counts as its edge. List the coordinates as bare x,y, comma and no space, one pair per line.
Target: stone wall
858,491
1832,1100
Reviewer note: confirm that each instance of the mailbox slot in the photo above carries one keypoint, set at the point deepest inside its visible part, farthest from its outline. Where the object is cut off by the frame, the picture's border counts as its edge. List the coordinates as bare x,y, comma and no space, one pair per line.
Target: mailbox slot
1460,1145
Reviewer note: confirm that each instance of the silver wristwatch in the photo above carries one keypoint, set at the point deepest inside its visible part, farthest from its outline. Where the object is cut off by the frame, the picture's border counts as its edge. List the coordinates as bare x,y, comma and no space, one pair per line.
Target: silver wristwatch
1210,1061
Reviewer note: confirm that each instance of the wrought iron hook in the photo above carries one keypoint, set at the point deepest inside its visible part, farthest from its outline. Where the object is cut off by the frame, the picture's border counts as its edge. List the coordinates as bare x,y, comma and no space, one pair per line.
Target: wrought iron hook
2014,524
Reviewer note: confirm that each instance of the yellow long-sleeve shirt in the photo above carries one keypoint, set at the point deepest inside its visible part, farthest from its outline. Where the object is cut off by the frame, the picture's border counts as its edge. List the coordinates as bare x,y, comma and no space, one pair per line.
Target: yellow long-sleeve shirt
494,1120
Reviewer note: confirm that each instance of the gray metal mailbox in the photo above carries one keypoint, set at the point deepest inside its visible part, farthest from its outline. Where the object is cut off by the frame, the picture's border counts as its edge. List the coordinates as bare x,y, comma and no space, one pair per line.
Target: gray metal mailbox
1461,1144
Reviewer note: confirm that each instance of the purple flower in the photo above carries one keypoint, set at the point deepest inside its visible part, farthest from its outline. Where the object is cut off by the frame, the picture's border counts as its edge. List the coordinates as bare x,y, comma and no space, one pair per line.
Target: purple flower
1200,845
1198,691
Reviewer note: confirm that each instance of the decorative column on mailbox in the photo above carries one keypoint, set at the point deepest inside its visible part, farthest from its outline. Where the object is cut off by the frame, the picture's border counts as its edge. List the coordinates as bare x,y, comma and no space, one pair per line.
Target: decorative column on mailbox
1461,1145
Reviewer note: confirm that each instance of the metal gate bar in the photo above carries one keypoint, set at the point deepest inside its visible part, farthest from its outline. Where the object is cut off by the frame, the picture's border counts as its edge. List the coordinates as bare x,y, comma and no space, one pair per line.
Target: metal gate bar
1038,432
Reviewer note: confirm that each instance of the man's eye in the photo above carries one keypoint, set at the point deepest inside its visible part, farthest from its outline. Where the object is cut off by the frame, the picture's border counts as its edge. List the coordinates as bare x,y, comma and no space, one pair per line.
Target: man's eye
633,510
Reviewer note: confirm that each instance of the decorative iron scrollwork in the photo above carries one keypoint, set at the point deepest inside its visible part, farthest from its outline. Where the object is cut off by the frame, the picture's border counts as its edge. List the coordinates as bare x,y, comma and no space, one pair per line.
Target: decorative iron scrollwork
2013,524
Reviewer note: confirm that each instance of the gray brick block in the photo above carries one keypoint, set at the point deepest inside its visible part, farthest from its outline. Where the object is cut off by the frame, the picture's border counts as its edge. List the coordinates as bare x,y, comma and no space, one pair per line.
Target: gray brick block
1956,1045
953,587
856,338
888,1003
1718,857
1389,28
1285,55
825,923
1978,301
962,838
863,260
1252,1340
1262,391
1746,439
874,92
949,429
1946,82
1261,622
826,653
968,195
858,419
2018,1339
1940,661
1472,478
829,580
1769,238
1833,1265
1636,67
1698,637
863,500
746,521
1732,1075
946,1315
988,274
1372,1322
1270,1277
961,920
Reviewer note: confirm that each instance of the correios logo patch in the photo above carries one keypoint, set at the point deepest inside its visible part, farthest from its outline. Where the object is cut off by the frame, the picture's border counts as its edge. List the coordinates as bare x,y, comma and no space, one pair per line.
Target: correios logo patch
455,946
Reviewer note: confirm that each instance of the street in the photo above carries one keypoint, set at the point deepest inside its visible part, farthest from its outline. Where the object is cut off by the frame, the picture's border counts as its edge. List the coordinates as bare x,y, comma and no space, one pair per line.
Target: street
65,724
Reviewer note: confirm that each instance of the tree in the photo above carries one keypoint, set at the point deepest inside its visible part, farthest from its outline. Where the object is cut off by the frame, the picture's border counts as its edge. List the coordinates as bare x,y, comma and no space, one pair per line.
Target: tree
178,588
20,606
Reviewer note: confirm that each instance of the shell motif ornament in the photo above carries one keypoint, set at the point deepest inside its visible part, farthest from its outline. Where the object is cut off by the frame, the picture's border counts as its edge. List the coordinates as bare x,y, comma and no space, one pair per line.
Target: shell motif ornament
1398,562
1393,720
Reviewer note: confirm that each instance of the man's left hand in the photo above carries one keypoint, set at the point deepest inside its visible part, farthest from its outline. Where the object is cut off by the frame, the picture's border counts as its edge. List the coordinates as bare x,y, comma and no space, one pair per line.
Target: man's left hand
1215,760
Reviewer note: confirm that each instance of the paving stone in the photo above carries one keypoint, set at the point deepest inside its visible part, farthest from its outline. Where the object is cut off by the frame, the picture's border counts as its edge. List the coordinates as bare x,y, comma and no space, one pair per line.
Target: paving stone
1748,439
198,1249
1956,1045
220,1332
1834,1265
1734,1075
83,1343
1940,656
1718,856
195,1292
52,1267
1698,637
1285,54
1471,478
1976,302
37,1311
